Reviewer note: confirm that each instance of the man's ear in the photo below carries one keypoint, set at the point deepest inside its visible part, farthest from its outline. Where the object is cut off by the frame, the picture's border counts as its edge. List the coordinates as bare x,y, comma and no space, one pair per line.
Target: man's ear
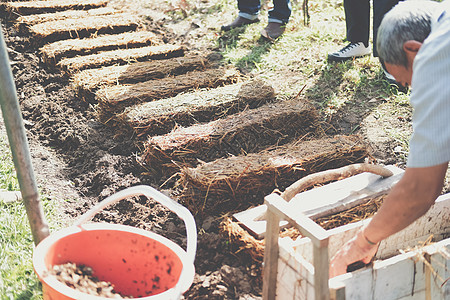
412,46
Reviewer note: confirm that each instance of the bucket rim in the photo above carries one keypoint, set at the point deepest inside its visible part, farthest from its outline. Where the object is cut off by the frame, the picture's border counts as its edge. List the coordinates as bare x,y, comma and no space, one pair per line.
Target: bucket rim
185,280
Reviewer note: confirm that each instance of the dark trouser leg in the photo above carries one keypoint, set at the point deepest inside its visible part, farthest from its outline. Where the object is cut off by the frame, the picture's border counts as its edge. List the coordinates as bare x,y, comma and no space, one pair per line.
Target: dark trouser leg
380,8
281,11
249,8
357,20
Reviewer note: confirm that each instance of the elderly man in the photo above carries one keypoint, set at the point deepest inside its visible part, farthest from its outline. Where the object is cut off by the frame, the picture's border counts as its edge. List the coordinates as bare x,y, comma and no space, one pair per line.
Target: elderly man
414,43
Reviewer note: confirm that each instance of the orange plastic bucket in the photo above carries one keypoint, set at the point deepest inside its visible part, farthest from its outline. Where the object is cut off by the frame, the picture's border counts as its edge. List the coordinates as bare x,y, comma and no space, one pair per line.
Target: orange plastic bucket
139,263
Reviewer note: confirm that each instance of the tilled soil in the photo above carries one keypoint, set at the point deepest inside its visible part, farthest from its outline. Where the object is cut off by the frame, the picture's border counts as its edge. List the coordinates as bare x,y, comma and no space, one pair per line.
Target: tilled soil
78,162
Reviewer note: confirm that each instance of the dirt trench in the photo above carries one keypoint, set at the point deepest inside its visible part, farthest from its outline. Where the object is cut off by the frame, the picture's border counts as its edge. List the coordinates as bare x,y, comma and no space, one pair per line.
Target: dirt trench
74,93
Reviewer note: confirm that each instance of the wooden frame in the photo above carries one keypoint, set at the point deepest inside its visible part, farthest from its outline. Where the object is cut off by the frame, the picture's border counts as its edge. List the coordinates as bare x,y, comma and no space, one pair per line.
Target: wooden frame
292,268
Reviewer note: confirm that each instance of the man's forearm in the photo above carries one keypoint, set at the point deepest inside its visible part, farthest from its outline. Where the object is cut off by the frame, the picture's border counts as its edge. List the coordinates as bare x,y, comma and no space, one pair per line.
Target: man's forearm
409,199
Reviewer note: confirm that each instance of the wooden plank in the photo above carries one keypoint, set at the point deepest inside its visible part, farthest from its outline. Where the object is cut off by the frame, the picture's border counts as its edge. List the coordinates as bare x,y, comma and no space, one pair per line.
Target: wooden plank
321,271
271,256
295,277
53,52
297,219
435,222
21,8
344,194
278,206
121,56
328,199
402,276
72,28
337,291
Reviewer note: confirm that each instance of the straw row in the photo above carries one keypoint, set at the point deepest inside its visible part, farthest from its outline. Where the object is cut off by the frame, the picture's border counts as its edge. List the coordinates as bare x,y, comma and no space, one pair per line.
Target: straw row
88,81
73,28
53,52
159,117
240,181
121,56
113,99
249,131
24,22
22,8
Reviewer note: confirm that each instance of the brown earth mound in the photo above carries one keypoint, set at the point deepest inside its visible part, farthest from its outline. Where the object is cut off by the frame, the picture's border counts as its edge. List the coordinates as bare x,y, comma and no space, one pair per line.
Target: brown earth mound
22,8
121,56
52,53
24,22
249,131
240,181
88,81
72,28
114,99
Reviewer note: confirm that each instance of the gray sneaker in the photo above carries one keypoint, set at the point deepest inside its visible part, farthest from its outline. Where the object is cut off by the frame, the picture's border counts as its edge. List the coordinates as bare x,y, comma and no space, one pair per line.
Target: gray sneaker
350,51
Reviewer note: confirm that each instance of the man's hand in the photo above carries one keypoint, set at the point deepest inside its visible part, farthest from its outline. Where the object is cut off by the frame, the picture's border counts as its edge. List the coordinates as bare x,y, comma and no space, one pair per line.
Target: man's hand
356,249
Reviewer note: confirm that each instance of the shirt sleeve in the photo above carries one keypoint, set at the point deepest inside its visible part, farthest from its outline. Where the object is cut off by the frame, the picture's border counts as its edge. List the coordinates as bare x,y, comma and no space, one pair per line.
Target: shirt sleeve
430,98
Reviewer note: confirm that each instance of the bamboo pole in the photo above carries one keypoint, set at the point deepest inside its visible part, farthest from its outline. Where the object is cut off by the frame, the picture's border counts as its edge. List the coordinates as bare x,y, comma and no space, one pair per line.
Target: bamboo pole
19,147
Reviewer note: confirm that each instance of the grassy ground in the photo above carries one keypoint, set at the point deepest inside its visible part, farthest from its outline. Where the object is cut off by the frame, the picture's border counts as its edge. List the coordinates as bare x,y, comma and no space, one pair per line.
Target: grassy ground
352,97
17,278
16,241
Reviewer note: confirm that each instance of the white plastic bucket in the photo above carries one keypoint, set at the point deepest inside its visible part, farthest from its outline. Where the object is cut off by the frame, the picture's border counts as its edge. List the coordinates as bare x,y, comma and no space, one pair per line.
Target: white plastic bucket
139,263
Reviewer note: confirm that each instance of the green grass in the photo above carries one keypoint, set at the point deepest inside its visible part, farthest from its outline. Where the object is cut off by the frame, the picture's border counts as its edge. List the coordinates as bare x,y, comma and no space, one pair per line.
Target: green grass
17,278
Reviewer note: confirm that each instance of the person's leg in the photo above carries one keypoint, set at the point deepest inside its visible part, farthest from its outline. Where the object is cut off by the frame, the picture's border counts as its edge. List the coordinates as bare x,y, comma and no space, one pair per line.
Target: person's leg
248,14
280,12
380,8
357,21
249,9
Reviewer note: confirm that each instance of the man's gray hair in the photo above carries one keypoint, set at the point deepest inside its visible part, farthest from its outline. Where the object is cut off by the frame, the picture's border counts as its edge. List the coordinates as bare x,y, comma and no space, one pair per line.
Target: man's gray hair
408,20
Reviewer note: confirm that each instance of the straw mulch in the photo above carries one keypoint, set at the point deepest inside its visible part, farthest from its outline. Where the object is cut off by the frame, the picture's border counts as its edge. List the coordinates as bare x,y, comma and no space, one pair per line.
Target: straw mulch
160,117
51,53
73,28
238,182
26,21
121,56
254,248
49,6
88,81
243,243
249,131
113,99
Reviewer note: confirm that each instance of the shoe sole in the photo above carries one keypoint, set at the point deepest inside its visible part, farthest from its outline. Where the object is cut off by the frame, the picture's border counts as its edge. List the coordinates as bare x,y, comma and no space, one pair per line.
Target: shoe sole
228,27
340,59
265,35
